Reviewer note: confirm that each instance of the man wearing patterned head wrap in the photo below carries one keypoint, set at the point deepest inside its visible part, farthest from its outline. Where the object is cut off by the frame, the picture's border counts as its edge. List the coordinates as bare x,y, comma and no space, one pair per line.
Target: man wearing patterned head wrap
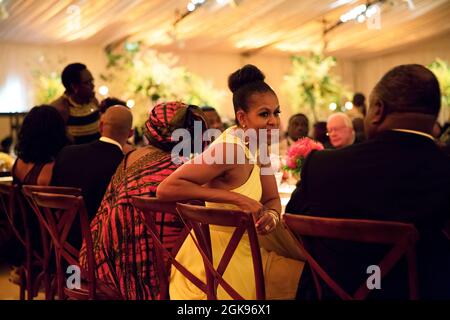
123,254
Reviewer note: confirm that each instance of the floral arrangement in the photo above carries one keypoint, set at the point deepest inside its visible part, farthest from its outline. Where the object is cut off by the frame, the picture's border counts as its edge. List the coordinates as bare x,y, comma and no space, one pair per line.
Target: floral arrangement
46,78
311,86
298,152
147,76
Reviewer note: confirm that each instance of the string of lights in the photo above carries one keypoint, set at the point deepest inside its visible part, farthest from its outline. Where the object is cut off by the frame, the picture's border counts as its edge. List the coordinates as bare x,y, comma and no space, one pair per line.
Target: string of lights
370,12
359,13
190,8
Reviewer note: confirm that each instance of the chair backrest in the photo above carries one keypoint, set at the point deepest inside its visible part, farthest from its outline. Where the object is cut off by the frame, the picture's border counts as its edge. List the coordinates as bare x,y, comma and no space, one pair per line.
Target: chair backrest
164,254
199,219
16,218
58,211
27,191
401,237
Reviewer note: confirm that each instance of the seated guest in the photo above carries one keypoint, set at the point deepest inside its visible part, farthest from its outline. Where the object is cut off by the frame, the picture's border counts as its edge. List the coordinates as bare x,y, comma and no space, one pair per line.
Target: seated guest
397,175
78,105
123,248
90,166
248,186
41,137
340,130
107,103
212,118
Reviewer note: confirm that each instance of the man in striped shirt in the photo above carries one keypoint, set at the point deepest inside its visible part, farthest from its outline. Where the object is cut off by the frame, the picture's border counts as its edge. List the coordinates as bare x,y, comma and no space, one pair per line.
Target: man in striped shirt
78,105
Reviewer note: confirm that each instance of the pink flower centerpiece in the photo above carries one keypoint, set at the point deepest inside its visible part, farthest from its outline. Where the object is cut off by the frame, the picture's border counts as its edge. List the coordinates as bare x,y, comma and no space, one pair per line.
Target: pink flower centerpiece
298,152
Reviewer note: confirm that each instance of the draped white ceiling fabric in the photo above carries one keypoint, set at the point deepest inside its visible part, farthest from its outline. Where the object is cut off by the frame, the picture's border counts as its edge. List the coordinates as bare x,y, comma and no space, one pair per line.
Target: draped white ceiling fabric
239,26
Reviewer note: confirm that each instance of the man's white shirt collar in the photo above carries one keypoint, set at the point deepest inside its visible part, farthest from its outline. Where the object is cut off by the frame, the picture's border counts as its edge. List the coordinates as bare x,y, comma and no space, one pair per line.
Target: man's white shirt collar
109,140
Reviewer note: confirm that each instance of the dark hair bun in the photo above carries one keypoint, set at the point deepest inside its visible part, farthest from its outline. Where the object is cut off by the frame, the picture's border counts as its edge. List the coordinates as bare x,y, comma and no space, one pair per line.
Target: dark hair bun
247,74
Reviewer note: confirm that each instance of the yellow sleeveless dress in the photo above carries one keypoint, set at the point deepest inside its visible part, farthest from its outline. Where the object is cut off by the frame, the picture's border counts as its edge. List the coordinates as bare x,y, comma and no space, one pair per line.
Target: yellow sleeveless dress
281,274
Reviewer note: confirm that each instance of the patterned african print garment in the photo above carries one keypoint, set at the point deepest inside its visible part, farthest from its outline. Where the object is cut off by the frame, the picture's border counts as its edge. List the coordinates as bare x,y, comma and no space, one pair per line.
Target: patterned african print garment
122,247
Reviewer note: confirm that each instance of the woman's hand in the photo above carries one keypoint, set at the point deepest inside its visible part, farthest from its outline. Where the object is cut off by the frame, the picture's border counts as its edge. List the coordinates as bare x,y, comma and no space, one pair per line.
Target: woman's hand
267,222
249,205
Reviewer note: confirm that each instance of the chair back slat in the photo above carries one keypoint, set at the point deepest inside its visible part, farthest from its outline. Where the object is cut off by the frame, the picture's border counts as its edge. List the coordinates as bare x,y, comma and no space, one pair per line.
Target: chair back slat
163,258
368,231
200,218
401,237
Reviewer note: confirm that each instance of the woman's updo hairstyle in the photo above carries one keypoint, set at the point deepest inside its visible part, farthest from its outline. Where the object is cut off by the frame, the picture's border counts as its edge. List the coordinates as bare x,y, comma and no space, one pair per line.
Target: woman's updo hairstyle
245,82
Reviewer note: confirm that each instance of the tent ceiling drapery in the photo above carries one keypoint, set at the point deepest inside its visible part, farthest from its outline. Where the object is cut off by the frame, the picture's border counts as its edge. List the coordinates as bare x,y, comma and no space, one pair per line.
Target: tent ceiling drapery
275,26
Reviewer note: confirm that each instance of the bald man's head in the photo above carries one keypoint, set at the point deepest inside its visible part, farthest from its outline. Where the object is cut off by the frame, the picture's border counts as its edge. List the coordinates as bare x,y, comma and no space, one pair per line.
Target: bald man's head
116,123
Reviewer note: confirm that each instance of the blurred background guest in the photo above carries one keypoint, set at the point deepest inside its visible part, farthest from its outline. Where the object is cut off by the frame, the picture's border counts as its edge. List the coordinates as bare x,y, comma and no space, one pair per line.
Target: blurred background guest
106,103
320,134
212,118
6,160
298,127
6,144
357,114
340,130
78,105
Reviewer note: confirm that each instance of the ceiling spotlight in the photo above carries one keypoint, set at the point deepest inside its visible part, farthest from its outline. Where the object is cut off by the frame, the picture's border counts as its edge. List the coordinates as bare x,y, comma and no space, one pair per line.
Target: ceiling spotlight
348,105
333,106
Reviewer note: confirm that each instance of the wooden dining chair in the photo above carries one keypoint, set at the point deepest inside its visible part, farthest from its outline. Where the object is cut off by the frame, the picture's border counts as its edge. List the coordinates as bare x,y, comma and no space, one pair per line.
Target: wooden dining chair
164,254
58,213
18,225
47,244
401,237
199,219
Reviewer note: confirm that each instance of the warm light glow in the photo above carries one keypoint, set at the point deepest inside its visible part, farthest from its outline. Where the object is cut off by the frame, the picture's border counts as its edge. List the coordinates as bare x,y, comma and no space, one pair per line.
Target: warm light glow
348,105
372,10
130,103
191,6
361,18
103,90
354,13
333,106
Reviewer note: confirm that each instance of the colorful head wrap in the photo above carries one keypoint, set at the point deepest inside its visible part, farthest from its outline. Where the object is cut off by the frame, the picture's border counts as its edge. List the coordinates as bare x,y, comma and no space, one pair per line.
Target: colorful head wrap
166,117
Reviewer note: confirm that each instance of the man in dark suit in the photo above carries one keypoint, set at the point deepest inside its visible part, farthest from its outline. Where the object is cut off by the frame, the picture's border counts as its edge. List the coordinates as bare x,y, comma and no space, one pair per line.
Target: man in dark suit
397,175
90,166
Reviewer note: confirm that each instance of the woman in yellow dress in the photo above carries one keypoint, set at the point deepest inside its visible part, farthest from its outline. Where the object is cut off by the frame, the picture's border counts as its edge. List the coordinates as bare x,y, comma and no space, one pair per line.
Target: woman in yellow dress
230,174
